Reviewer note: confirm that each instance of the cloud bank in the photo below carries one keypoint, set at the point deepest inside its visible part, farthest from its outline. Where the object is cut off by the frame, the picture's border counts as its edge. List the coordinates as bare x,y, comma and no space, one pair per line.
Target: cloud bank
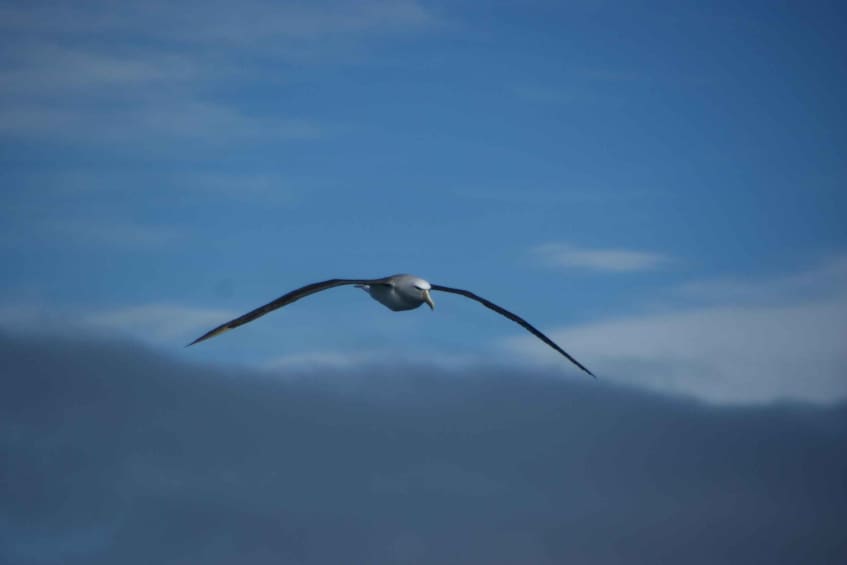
751,342
114,454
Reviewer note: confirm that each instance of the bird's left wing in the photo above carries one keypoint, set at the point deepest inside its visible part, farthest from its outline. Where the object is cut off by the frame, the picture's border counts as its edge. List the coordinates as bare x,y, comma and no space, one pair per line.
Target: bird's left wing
515,318
284,300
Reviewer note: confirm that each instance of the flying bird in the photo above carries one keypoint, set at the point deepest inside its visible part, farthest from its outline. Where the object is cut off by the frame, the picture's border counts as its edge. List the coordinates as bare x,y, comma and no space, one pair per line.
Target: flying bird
397,292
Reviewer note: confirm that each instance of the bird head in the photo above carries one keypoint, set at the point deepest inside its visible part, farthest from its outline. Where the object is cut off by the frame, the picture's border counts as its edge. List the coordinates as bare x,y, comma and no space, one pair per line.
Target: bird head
420,288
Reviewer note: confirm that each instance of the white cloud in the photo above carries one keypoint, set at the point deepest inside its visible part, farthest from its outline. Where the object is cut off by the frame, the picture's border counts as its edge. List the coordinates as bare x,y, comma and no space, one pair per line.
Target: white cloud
323,360
825,278
563,255
152,323
158,322
726,353
328,359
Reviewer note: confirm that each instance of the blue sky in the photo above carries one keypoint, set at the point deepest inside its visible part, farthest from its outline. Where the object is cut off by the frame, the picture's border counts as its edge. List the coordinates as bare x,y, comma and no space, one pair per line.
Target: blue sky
659,186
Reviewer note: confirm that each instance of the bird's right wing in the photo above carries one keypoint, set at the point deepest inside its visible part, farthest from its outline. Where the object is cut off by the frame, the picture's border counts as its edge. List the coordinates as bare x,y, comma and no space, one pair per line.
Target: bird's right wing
515,318
284,300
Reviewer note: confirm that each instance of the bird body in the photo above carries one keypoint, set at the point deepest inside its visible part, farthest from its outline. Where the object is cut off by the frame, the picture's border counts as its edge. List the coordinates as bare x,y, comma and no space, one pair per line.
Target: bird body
404,292
397,292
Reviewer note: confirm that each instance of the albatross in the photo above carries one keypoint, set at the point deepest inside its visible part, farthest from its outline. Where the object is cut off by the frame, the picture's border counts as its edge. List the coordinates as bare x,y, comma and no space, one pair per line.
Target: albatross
397,292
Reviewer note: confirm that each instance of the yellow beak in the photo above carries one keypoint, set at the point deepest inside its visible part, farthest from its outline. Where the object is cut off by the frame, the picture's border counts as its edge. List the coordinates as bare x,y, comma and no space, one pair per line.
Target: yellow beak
428,300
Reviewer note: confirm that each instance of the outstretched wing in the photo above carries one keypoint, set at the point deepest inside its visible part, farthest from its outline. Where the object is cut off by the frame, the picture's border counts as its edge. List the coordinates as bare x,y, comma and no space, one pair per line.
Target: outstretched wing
284,300
515,318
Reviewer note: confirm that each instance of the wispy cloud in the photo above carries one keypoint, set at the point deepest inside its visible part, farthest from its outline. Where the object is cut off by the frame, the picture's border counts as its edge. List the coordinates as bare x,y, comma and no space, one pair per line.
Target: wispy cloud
107,234
41,69
354,360
826,277
566,256
196,121
730,351
92,233
70,93
152,73
157,322
264,188
196,21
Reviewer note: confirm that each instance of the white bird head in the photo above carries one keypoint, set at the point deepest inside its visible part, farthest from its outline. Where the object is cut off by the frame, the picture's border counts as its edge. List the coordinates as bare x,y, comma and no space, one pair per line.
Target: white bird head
414,287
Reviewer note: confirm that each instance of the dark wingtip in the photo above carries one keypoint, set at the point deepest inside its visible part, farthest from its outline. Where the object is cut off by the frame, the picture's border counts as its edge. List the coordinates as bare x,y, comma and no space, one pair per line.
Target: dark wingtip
575,362
587,371
208,335
583,367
